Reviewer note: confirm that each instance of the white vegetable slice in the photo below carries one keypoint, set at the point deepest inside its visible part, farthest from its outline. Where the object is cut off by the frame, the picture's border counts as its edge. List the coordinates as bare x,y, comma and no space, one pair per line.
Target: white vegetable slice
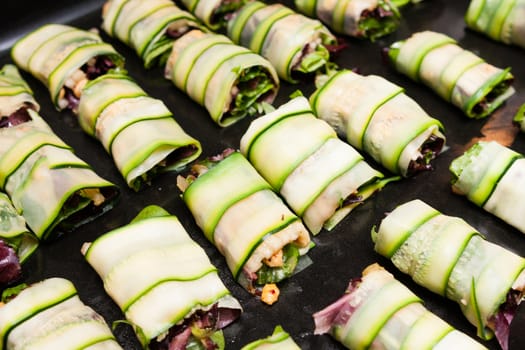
492,176
478,275
157,274
242,216
302,158
216,73
457,75
48,314
375,116
292,42
379,312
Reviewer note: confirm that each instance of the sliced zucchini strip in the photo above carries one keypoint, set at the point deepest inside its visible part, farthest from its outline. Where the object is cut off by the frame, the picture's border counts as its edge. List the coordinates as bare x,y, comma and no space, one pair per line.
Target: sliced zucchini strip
49,314
242,216
46,181
448,256
230,81
13,230
302,158
148,26
500,20
157,274
279,340
377,312
214,13
492,176
375,116
293,43
369,19
63,57
457,75
138,131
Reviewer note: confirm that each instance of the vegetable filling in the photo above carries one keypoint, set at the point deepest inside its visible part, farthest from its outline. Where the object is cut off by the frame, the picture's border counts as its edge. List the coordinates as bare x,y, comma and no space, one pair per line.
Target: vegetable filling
10,268
429,151
382,20
254,86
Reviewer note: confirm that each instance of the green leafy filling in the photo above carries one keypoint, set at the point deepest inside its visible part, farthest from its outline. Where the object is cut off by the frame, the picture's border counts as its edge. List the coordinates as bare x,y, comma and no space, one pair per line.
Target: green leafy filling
253,83
376,26
267,274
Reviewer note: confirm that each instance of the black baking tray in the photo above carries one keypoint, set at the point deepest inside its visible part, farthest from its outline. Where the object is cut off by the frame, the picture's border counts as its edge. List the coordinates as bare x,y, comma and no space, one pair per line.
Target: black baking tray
339,255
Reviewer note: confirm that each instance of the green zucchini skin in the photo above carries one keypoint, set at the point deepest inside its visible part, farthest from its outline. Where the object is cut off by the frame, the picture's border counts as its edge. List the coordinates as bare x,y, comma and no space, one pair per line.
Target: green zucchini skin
457,75
147,26
378,312
213,13
156,273
209,68
304,160
54,189
292,42
492,176
448,256
242,216
49,314
365,110
350,16
499,20
279,340
138,131
56,54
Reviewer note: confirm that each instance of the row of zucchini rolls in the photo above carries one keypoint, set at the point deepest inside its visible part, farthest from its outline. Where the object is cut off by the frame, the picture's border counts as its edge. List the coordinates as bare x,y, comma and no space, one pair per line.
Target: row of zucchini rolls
257,205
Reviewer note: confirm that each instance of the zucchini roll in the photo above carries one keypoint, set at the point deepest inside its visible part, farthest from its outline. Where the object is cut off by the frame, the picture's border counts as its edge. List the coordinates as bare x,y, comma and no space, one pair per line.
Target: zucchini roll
379,312
137,130
500,20
148,26
53,189
492,176
375,115
457,75
367,19
261,239
230,81
295,45
16,242
50,315
64,59
279,340
214,13
449,257
163,282
321,177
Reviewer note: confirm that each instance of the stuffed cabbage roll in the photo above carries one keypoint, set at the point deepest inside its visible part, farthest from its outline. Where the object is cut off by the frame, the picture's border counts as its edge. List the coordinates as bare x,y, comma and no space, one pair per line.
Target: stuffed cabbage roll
50,315
261,239
137,130
492,176
279,340
65,58
375,115
457,75
163,282
367,19
214,13
449,257
148,26
379,312
500,20
230,81
16,242
321,177
54,189
294,44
